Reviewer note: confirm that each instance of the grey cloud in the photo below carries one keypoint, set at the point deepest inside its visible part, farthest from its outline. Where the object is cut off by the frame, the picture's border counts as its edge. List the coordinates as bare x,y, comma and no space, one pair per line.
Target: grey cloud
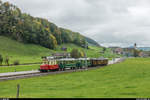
110,22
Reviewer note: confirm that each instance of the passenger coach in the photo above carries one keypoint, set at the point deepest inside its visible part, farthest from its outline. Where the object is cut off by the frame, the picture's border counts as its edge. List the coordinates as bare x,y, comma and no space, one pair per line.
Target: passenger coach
51,64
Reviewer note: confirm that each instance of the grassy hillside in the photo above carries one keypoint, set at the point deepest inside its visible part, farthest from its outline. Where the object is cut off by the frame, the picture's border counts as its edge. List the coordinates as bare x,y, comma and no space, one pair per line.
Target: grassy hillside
30,53
28,29
129,79
93,51
25,53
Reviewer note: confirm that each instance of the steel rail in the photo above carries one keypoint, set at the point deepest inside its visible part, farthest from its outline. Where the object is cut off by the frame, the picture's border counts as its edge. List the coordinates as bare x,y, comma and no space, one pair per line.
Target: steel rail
29,75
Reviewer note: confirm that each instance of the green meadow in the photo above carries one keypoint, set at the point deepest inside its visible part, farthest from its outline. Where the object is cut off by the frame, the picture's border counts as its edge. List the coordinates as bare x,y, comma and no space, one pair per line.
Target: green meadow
129,79
19,68
31,53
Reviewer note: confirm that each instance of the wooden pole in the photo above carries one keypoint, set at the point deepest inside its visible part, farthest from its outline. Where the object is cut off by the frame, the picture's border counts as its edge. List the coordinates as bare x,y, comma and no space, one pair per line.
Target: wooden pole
18,88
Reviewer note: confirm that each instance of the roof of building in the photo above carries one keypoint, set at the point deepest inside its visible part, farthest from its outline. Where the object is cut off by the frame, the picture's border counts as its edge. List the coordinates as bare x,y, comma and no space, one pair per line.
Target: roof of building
118,49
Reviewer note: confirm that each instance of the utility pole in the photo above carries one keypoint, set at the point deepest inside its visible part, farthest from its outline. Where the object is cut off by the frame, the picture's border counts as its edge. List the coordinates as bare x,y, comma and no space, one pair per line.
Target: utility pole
18,88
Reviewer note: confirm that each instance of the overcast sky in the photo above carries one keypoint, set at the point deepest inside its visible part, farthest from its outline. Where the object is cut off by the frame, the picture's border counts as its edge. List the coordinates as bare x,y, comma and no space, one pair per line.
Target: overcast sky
109,22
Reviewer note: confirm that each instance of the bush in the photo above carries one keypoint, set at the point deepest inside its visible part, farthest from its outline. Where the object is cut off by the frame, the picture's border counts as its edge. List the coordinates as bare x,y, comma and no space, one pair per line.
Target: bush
16,62
1,59
75,53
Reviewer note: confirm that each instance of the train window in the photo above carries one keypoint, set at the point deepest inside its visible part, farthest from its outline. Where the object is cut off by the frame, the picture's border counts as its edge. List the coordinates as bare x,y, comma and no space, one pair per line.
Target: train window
66,62
72,61
51,62
55,62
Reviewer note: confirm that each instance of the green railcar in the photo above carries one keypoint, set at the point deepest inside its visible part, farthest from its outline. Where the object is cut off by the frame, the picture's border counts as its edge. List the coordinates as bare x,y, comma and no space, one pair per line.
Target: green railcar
61,65
71,63
84,62
67,63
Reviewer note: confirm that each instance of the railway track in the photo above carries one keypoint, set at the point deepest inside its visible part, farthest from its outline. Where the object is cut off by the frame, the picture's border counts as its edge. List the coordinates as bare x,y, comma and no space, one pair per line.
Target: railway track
13,77
37,74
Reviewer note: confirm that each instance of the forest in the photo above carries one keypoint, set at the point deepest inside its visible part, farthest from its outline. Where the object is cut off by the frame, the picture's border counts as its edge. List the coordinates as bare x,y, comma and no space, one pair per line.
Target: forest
28,29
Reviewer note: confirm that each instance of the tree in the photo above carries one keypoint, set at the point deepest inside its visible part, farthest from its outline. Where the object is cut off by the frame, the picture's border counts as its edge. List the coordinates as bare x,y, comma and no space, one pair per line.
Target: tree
104,49
57,34
7,60
27,29
75,53
82,54
136,53
66,35
53,41
1,59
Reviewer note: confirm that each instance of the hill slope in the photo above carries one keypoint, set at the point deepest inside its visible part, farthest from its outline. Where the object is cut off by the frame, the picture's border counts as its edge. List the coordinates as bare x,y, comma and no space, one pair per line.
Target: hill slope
91,42
31,53
144,48
28,29
22,52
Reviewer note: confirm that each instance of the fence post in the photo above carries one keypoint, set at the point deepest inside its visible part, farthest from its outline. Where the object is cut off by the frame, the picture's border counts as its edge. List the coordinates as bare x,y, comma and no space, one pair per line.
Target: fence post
18,88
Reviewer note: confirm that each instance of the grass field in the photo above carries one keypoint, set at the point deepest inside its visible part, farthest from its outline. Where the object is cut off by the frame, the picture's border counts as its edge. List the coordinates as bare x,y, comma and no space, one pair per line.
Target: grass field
19,68
30,53
25,53
129,79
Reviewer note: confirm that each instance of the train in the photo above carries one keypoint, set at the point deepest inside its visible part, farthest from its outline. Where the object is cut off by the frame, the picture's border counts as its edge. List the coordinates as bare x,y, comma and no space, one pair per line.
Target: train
51,64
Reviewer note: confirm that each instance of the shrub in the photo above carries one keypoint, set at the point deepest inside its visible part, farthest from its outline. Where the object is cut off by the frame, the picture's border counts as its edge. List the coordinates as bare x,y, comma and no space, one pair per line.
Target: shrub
16,62
1,59
75,53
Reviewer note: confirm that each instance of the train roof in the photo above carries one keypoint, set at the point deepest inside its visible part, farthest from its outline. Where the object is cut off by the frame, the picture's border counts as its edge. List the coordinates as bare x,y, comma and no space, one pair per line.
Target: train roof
50,58
74,59
67,59
83,58
101,58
